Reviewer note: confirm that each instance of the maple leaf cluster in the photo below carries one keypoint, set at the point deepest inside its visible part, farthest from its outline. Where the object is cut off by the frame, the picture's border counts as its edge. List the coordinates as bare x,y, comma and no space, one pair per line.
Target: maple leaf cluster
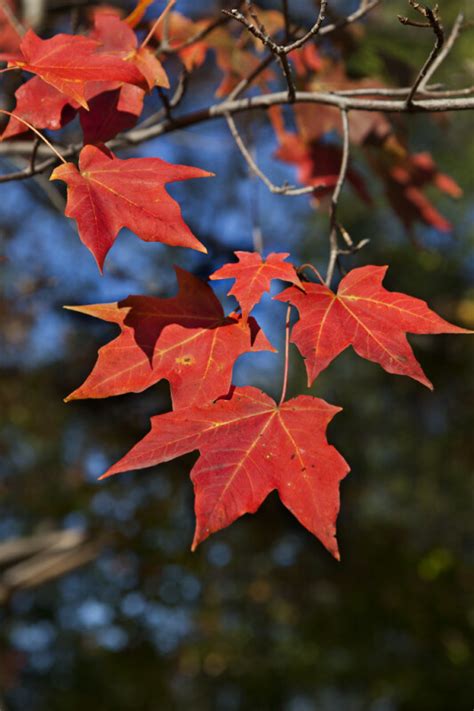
249,445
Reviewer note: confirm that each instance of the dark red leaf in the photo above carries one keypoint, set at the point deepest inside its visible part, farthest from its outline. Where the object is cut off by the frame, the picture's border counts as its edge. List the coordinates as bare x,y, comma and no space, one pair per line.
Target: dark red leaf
185,339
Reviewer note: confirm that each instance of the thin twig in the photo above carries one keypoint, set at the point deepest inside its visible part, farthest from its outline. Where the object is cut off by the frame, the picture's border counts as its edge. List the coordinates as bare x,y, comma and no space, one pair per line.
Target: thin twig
334,250
175,100
287,355
447,47
362,10
35,131
166,103
297,44
181,88
280,51
158,22
255,28
433,22
279,190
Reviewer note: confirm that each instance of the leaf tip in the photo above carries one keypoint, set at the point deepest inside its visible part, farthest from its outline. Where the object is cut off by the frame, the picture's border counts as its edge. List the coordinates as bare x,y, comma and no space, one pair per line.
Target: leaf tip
99,260
333,549
106,474
425,381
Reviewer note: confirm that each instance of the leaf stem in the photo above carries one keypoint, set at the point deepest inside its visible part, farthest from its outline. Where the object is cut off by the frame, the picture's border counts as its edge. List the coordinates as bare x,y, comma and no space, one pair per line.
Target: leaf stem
287,355
313,269
35,130
157,23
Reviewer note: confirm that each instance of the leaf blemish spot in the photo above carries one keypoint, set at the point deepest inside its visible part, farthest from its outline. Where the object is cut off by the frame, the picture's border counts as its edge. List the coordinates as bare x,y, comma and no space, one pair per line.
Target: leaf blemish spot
185,360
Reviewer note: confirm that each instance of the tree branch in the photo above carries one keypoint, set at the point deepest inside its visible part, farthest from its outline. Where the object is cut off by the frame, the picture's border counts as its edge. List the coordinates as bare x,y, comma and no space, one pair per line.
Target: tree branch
139,135
297,44
279,190
434,23
448,45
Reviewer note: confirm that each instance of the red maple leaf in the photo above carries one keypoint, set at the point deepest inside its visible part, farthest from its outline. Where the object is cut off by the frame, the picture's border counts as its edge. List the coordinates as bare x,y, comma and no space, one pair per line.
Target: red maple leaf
70,62
253,276
249,447
112,105
180,32
404,185
306,59
364,315
10,28
185,339
117,38
41,105
107,193
111,112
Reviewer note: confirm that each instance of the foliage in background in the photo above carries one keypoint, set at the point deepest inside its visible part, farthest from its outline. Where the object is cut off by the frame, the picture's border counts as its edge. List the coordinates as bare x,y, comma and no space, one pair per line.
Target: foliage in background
280,627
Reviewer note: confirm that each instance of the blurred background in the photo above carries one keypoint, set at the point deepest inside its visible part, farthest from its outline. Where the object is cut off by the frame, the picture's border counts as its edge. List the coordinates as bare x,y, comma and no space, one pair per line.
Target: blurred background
102,604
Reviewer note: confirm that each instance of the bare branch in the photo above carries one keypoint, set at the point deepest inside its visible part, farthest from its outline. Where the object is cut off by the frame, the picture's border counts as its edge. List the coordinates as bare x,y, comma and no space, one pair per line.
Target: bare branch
139,135
433,22
334,249
362,10
279,190
297,44
448,45
256,28
285,65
